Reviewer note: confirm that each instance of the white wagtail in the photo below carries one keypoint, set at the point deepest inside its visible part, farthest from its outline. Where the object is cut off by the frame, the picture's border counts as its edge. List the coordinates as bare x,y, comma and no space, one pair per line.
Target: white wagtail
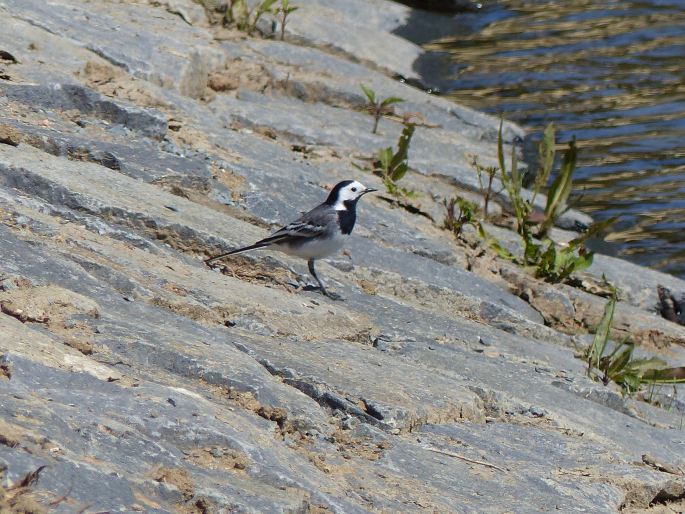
318,233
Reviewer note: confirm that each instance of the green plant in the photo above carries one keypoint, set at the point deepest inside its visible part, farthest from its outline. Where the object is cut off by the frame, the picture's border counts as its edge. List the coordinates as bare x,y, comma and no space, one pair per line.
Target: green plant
378,107
546,152
285,10
391,165
619,366
548,260
454,221
489,172
557,264
246,19
560,190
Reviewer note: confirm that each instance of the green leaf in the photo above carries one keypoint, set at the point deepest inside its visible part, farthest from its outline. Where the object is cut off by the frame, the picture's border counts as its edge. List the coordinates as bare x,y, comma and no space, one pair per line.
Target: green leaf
398,172
495,244
391,100
592,231
385,157
500,154
641,366
370,93
596,349
402,155
516,177
619,363
631,380
558,193
546,156
265,7
665,376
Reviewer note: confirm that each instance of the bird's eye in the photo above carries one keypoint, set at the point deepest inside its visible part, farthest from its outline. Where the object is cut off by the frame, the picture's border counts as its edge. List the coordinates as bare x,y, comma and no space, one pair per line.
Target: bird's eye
354,189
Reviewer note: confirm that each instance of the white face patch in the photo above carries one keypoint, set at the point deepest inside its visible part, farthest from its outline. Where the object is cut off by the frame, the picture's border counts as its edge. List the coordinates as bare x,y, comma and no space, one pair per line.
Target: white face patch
349,192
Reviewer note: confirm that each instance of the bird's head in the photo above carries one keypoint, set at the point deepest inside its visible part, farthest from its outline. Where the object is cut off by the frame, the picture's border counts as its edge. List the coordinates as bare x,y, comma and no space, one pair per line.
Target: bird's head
346,193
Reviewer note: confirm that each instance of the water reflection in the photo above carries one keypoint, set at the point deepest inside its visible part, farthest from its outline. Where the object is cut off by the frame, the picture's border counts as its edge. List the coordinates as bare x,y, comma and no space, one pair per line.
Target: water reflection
610,73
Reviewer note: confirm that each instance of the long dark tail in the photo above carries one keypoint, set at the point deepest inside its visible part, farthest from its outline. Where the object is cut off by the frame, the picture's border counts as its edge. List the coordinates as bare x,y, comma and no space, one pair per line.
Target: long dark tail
258,244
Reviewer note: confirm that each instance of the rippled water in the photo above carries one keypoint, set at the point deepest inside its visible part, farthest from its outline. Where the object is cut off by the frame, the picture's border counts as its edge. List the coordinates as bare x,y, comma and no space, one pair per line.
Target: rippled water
612,73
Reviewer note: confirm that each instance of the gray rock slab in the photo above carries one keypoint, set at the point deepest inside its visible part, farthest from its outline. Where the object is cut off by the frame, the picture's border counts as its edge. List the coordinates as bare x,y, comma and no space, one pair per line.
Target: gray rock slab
148,122
433,151
636,315
259,394
314,76
513,389
353,378
547,481
135,332
637,283
132,432
149,44
138,157
358,29
45,57
117,196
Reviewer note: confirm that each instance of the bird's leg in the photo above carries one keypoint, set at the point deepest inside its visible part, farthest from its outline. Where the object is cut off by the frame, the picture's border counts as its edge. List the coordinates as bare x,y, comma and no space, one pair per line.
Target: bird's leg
332,296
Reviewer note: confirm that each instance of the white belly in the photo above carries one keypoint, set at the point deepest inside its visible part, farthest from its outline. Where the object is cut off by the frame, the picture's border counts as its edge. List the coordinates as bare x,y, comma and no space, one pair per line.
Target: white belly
316,248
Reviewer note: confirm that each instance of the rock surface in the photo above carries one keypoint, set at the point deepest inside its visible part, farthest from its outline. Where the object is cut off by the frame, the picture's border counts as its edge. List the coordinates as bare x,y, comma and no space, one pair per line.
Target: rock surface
137,139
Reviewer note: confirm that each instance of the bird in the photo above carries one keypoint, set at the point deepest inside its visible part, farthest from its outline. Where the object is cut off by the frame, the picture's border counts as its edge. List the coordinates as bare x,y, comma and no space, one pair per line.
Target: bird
318,233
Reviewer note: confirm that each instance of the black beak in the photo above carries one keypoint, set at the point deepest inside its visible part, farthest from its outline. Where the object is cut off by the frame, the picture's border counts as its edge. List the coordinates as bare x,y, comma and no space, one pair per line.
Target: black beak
369,190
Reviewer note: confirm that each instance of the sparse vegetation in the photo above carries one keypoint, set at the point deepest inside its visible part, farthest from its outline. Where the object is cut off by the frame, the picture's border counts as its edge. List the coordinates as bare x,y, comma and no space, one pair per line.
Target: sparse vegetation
619,366
559,191
547,260
285,10
239,14
391,165
455,220
488,173
378,107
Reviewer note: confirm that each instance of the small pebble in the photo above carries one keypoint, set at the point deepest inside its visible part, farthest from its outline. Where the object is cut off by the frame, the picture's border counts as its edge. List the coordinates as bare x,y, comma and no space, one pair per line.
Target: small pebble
537,412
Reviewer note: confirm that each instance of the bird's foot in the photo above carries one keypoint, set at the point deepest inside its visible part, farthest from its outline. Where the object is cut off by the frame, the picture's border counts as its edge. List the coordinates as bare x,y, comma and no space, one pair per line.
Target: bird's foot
332,296
325,292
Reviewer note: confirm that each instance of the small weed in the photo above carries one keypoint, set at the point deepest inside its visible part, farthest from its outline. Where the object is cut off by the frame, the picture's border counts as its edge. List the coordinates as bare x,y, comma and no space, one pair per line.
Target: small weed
513,183
548,260
557,264
239,14
546,158
489,173
378,107
391,165
619,366
285,10
560,190
454,221
595,351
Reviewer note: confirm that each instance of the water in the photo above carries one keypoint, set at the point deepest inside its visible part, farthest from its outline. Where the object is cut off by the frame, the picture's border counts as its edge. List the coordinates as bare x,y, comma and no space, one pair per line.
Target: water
612,73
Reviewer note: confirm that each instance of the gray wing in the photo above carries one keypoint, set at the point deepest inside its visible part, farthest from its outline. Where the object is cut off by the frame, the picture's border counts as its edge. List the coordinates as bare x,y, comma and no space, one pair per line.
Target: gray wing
316,223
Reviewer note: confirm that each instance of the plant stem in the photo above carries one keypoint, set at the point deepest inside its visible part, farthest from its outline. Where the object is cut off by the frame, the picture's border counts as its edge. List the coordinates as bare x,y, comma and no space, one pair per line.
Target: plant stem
376,118
488,193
